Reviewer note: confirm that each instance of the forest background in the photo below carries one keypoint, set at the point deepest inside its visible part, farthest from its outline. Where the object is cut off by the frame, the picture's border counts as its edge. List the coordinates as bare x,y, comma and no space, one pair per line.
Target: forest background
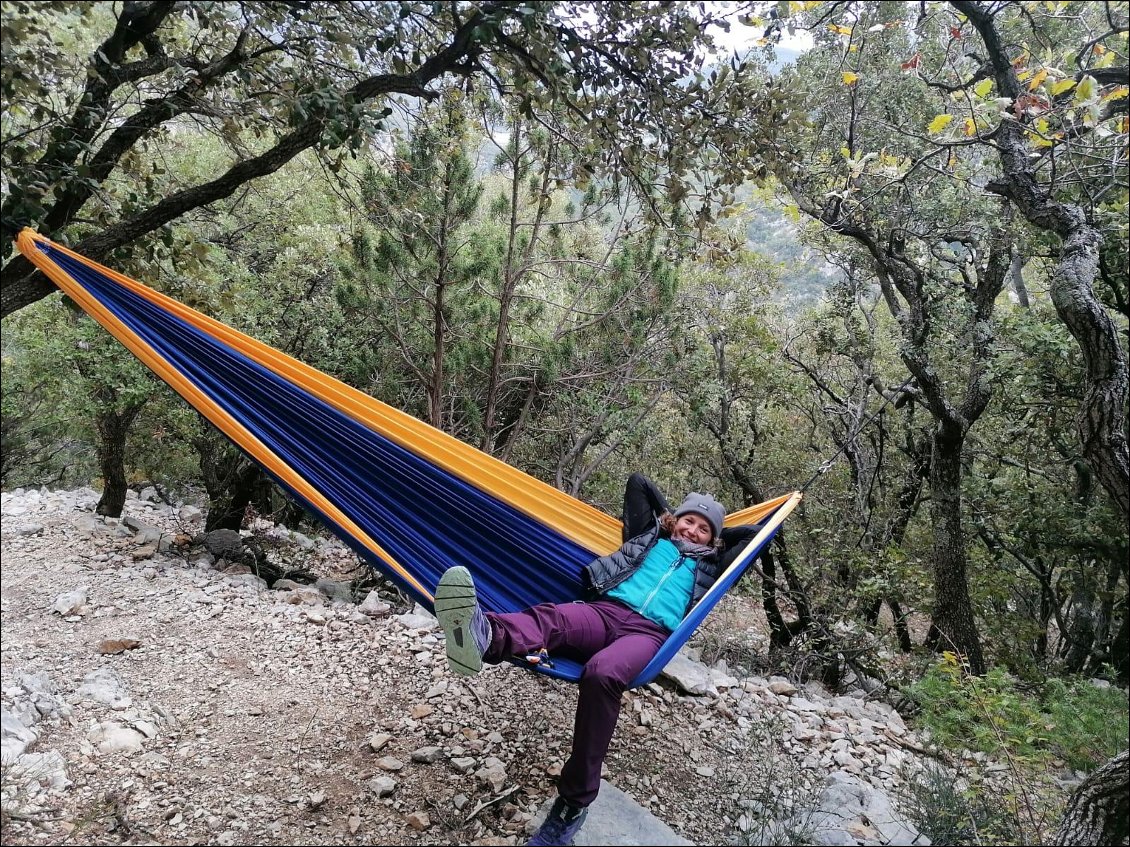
595,238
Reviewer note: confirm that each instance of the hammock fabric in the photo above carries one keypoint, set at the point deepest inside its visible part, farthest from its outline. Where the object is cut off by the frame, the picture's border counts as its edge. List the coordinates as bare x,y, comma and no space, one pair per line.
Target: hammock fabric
408,498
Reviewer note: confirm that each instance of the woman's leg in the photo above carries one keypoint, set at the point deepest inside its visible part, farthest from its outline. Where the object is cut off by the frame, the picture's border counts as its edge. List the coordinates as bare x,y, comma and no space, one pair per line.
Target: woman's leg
606,676
574,627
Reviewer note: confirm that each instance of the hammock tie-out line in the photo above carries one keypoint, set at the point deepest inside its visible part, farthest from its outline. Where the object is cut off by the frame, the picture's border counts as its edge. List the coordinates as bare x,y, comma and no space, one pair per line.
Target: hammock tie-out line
408,498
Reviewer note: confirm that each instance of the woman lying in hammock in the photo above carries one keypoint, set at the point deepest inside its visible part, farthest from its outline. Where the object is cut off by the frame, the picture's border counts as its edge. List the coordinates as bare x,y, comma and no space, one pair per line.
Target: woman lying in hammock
640,594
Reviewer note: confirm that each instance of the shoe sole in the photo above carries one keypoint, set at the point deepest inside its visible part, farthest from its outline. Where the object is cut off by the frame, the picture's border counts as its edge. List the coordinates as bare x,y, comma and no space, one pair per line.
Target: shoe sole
455,602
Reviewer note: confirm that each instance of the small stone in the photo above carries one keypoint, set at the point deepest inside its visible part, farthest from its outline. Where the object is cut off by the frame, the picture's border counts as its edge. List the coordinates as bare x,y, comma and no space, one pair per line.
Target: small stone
146,728
427,755
113,646
390,763
419,821
71,603
382,786
422,710
378,741
374,606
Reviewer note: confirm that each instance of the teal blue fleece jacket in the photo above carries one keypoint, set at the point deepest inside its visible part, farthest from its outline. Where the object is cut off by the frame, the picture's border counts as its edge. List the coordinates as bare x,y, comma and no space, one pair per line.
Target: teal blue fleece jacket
661,587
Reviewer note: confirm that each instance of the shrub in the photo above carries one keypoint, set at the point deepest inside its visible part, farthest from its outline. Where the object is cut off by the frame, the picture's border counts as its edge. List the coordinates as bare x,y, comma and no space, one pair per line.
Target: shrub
1067,719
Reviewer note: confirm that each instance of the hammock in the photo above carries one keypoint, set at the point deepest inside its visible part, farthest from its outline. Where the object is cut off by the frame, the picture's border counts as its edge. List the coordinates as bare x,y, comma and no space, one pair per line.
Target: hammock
408,498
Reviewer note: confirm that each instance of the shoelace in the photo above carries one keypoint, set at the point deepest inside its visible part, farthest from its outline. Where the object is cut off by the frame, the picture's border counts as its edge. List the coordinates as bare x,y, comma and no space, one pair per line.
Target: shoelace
540,657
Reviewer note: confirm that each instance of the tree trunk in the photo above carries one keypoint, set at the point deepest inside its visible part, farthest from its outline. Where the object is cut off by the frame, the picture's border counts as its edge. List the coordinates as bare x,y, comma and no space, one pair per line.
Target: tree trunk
1080,634
902,630
1040,647
1120,651
953,626
898,618
250,487
779,634
113,430
1099,810
439,311
232,482
906,505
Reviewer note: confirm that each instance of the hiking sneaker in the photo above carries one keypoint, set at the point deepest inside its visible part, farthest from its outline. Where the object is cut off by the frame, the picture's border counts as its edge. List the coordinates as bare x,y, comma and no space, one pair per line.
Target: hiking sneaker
561,824
465,627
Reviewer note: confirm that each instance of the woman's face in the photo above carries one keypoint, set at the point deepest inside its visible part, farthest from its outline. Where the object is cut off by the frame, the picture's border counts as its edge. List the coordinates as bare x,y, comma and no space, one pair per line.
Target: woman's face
693,528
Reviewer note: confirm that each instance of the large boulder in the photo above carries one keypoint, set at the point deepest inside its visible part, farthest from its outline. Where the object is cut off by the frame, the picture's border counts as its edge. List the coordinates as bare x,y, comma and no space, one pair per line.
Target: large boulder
615,818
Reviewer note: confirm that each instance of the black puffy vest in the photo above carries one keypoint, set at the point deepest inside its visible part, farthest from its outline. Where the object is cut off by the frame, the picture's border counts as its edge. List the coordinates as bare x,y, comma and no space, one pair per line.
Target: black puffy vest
605,573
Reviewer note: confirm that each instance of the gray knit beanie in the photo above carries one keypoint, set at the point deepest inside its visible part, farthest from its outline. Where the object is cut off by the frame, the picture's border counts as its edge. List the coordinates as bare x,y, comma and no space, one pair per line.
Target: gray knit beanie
705,505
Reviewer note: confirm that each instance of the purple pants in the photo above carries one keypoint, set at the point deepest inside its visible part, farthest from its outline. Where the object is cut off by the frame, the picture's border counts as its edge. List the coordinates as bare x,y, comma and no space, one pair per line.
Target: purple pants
616,644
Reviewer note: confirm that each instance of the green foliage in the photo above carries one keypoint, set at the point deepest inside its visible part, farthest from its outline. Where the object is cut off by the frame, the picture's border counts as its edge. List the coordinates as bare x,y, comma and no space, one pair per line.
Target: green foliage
1071,720
75,371
1049,538
83,139
1089,720
35,448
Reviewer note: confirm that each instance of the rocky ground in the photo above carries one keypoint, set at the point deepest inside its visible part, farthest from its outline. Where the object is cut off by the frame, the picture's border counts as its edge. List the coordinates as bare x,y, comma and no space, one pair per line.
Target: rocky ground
151,697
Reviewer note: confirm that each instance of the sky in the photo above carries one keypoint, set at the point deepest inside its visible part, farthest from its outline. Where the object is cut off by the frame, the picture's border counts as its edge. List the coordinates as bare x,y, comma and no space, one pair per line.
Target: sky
741,37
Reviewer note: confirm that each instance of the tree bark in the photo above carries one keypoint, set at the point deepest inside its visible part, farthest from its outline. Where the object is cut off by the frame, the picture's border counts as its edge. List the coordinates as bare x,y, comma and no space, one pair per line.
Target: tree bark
439,310
1016,280
780,633
1099,810
248,486
1120,651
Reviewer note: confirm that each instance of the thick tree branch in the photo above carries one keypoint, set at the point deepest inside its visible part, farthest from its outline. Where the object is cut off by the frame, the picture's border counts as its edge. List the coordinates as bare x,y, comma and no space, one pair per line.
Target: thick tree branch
137,22
24,285
77,192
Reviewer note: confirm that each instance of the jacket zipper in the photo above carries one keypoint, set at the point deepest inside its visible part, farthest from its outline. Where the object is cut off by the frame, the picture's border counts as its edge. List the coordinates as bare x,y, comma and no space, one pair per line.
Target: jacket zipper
663,581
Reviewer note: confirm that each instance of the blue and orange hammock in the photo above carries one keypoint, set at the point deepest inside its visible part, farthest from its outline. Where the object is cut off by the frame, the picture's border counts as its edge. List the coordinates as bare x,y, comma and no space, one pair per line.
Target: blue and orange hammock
408,498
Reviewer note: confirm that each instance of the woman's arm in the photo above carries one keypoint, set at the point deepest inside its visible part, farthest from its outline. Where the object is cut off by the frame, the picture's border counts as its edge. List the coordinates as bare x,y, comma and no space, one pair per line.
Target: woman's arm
643,504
